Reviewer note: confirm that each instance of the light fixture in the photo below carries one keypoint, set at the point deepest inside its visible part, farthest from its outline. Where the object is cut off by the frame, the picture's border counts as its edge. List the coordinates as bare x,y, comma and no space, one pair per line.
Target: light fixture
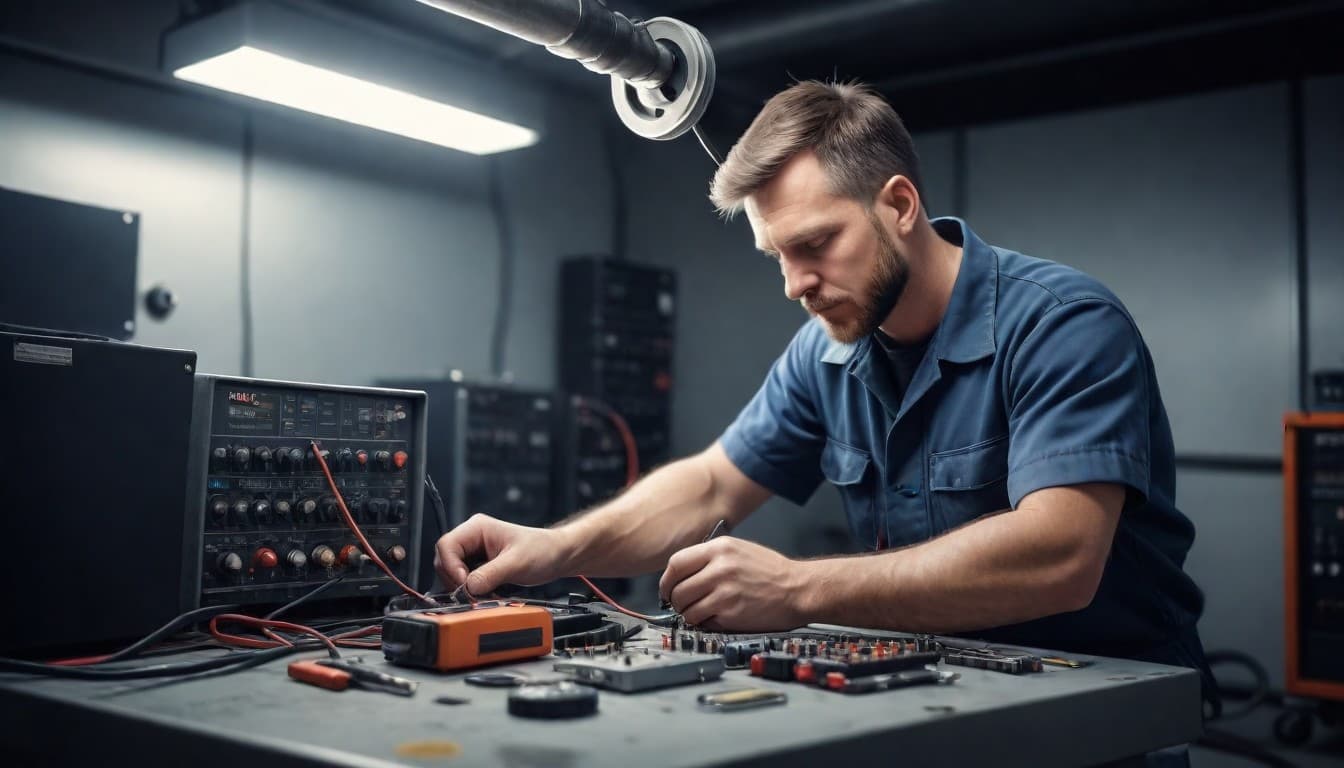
271,52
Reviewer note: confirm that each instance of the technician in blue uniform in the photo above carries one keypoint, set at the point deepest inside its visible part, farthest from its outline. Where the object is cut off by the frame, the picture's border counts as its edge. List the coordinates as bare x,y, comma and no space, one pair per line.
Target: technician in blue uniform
992,421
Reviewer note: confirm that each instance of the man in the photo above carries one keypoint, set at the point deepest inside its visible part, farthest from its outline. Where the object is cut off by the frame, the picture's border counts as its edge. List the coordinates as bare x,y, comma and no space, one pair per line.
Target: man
992,422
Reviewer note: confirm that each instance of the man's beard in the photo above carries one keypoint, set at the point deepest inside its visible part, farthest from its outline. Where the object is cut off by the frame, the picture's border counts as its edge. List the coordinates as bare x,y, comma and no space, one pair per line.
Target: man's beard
890,276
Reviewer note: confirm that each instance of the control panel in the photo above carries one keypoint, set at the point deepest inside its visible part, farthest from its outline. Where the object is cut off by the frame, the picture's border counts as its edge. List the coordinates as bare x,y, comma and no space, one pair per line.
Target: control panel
267,523
1314,532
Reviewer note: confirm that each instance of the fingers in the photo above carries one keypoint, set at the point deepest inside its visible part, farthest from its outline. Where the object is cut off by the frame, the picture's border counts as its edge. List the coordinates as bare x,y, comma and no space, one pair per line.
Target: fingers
454,547
695,598
685,563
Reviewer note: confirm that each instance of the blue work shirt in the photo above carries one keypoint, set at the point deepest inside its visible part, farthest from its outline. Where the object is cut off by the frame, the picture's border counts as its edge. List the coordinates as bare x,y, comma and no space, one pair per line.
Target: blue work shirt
1035,377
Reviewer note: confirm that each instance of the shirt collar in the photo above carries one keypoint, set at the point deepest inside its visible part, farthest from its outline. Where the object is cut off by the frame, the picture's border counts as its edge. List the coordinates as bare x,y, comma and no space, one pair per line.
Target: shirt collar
966,332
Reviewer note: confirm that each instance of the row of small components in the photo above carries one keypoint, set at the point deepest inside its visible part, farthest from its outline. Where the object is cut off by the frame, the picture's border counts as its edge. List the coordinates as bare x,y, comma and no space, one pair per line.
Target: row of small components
260,510
285,459
737,652
264,559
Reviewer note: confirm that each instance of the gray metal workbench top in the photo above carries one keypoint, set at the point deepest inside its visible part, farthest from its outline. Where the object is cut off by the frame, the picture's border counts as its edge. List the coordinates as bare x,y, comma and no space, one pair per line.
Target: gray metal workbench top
1110,710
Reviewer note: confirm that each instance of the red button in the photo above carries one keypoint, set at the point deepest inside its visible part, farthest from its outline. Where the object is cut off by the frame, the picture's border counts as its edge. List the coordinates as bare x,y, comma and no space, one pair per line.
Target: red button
265,558
399,459
835,680
362,457
804,672
757,665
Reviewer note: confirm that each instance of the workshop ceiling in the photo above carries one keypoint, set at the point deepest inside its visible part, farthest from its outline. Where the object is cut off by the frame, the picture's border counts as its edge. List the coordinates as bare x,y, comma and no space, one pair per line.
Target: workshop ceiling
949,62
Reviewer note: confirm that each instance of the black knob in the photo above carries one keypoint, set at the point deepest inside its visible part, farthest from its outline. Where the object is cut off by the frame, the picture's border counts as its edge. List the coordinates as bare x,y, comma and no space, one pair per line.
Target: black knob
383,459
327,510
261,512
263,455
283,510
345,459
219,509
288,459
219,459
307,508
296,559
398,511
241,457
375,510
239,516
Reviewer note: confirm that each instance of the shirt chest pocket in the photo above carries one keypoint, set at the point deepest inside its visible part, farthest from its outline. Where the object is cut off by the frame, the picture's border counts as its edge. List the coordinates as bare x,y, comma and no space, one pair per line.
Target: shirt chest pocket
848,469
966,483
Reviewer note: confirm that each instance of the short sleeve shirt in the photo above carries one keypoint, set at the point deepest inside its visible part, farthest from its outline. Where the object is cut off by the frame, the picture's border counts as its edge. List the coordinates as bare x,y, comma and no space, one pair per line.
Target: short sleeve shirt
1036,377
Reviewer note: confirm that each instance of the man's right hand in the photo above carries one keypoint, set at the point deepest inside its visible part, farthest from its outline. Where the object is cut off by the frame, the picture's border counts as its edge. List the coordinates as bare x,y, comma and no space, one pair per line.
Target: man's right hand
515,554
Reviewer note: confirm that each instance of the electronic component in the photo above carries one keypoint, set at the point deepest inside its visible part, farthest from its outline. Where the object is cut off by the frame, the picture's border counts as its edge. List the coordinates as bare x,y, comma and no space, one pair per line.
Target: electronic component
743,698
263,523
1313,534
552,701
95,456
992,659
837,681
629,672
462,637
737,653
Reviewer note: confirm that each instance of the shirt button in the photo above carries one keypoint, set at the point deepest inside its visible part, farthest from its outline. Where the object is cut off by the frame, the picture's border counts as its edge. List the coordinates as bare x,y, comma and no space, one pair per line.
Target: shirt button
908,493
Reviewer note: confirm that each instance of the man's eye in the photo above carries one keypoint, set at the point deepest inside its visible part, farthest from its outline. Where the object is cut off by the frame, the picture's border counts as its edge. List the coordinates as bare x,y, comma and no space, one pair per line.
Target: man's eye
817,242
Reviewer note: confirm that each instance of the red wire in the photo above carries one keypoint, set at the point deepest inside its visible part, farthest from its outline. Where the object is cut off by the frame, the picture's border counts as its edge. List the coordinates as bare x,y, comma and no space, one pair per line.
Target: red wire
350,523
265,625
631,475
627,437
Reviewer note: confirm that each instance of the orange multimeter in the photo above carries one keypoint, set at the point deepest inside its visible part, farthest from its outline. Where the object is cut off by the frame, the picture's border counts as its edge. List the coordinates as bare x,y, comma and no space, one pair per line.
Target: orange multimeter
462,637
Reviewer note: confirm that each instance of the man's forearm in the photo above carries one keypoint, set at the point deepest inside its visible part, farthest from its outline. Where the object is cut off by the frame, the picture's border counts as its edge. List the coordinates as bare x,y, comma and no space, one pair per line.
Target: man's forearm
673,507
999,570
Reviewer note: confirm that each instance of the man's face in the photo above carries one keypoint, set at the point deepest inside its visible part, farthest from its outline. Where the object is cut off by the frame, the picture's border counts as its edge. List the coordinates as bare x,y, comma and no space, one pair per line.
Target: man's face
836,256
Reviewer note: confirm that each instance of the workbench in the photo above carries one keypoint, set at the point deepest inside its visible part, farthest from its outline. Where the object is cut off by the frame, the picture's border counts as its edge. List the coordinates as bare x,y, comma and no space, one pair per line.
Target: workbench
1112,710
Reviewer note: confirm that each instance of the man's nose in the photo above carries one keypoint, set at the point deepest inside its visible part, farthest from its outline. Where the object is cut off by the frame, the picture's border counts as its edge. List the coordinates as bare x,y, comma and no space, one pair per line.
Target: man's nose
799,280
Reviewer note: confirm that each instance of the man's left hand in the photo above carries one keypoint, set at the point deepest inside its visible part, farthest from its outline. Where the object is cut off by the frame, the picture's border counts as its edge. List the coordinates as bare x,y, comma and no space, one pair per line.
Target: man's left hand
729,584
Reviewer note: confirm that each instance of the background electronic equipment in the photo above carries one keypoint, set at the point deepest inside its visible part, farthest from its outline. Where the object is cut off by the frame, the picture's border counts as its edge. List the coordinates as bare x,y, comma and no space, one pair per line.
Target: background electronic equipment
262,523
465,636
95,458
1329,390
617,325
491,450
631,671
67,266
1313,534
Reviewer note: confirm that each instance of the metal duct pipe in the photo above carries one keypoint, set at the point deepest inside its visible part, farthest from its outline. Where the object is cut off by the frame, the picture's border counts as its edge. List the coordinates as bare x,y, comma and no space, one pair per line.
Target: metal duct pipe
584,30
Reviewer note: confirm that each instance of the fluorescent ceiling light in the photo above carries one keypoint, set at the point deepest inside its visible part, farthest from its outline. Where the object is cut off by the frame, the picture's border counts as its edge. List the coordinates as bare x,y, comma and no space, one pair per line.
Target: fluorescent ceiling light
270,77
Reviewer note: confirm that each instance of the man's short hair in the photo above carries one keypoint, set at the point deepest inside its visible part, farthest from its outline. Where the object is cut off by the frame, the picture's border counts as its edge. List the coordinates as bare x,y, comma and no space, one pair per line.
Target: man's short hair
857,136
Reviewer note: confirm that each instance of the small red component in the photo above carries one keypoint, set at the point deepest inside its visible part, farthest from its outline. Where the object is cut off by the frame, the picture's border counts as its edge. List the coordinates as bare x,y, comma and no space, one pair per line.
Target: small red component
804,672
835,680
757,665
265,558
362,457
399,459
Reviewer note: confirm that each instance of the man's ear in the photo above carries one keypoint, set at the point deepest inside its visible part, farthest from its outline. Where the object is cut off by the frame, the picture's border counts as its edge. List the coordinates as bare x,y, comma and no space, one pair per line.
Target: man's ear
900,196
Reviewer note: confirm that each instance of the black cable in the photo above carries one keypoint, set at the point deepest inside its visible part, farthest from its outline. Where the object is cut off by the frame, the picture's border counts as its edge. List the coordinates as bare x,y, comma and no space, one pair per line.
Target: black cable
1258,692
167,630
436,499
306,596
238,659
505,232
245,250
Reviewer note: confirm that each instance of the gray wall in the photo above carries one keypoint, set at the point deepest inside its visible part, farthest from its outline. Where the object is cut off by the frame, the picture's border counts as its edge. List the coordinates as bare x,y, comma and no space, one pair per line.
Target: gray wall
371,255
1183,206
